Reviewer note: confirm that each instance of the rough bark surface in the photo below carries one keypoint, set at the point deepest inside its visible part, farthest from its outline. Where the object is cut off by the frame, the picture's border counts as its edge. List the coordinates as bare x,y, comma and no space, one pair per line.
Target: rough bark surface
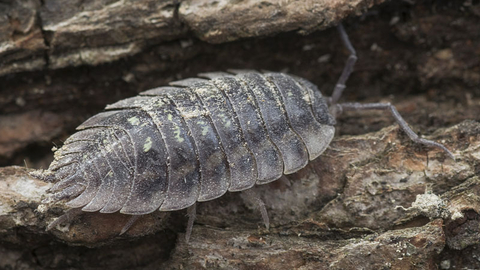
55,34
373,200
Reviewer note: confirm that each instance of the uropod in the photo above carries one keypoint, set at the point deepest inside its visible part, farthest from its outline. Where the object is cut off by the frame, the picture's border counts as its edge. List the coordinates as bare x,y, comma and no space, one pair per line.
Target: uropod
196,139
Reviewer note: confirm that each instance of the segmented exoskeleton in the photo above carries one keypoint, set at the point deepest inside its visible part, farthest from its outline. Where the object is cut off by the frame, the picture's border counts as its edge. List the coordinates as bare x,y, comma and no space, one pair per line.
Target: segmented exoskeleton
173,146
198,138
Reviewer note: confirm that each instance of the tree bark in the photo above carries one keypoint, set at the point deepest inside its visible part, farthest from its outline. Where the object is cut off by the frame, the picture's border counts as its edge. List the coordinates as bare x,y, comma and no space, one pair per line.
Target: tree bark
373,200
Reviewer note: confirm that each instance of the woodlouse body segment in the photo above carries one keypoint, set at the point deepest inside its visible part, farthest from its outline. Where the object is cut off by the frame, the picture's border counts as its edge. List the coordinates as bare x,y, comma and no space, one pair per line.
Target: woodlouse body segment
192,141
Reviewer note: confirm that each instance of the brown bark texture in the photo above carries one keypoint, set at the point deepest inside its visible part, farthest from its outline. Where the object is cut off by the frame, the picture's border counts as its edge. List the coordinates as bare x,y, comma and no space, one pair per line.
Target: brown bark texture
373,200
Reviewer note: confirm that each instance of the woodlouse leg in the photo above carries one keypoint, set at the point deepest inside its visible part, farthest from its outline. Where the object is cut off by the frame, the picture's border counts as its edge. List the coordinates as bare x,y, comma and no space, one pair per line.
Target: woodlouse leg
67,216
254,197
129,224
192,214
347,70
398,118
284,179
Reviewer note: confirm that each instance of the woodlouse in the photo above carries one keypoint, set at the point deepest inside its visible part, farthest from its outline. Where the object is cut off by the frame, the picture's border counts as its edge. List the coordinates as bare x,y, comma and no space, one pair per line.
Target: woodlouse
198,138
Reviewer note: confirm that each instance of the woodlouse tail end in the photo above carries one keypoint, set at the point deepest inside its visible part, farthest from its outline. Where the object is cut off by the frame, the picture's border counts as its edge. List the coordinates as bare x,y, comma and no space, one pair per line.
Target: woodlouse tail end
67,193
54,224
67,217
44,175
37,174
48,200
64,183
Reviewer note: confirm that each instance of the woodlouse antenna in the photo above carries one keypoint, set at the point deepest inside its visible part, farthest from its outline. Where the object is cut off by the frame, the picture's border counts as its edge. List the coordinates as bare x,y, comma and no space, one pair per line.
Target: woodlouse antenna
340,86
347,70
398,118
